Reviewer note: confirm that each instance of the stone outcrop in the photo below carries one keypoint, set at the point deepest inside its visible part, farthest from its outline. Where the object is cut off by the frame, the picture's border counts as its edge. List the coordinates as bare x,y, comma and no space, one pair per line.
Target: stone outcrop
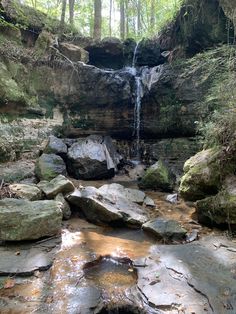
200,24
74,53
25,220
201,175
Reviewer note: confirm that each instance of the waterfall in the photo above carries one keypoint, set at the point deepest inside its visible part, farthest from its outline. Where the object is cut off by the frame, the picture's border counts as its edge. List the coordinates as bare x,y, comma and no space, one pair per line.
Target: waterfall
138,103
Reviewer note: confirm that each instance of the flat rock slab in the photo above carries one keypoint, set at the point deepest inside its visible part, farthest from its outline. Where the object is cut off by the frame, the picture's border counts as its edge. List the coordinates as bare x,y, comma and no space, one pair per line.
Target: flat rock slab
195,278
165,229
58,185
24,259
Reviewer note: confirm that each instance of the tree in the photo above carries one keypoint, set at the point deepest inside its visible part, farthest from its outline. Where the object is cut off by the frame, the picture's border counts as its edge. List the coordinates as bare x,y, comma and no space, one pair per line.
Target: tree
122,19
139,23
110,17
63,14
97,32
71,12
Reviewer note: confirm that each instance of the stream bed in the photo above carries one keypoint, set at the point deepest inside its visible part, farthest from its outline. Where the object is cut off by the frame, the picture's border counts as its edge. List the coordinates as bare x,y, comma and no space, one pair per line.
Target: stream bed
98,269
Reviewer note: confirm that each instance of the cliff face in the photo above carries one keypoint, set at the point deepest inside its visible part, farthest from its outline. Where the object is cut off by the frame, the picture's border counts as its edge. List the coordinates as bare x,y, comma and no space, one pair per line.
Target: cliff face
42,91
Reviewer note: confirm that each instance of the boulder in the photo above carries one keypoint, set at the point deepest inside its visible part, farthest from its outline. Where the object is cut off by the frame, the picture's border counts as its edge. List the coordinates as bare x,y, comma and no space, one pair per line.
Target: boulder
99,207
58,185
158,176
165,229
74,53
55,146
172,198
93,158
26,191
115,190
65,207
48,166
26,220
221,208
202,175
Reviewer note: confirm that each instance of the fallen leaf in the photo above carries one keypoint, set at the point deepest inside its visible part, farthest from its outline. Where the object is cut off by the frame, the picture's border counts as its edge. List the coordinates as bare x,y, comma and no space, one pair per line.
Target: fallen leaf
9,283
49,299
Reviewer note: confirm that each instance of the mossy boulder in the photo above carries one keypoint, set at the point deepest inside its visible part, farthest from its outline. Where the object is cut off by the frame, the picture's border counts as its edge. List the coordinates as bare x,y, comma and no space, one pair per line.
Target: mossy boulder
221,208
26,191
158,177
49,166
10,91
202,175
25,220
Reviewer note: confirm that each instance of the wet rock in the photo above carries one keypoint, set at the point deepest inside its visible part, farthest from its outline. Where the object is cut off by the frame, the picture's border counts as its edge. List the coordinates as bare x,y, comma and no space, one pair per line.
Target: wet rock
219,209
195,277
148,53
165,229
25,220
99,207
65,207
58,185
38,256
158,176
107,53
48,166
172,198
17,171
26,191
202,176
55,146
74,53
93,158
115,190
149,202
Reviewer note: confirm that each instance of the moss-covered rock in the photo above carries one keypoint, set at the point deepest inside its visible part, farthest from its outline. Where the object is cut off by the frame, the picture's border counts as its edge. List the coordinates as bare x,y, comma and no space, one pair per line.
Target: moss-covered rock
25,220
221,208
49,166
202,175
158,176
10,91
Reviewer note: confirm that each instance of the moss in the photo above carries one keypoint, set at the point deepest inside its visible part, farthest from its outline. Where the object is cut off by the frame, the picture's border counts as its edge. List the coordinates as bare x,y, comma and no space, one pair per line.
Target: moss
202,175
157,176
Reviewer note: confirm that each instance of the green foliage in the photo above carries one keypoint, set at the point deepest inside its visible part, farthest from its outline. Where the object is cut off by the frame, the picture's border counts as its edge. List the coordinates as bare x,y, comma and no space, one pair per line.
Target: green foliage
154,15
219,130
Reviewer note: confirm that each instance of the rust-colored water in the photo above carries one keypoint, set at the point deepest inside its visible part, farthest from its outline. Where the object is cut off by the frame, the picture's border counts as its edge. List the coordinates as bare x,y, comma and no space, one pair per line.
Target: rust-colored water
53,291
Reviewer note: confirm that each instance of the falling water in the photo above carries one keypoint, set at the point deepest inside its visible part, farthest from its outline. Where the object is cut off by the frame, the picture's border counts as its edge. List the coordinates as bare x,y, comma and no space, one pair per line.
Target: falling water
137,108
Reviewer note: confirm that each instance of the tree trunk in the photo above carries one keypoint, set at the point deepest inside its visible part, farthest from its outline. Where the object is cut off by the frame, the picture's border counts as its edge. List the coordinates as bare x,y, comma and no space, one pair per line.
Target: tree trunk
127,17
122,19
110,17
152,17
63,14
97,32
139,17
71,12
